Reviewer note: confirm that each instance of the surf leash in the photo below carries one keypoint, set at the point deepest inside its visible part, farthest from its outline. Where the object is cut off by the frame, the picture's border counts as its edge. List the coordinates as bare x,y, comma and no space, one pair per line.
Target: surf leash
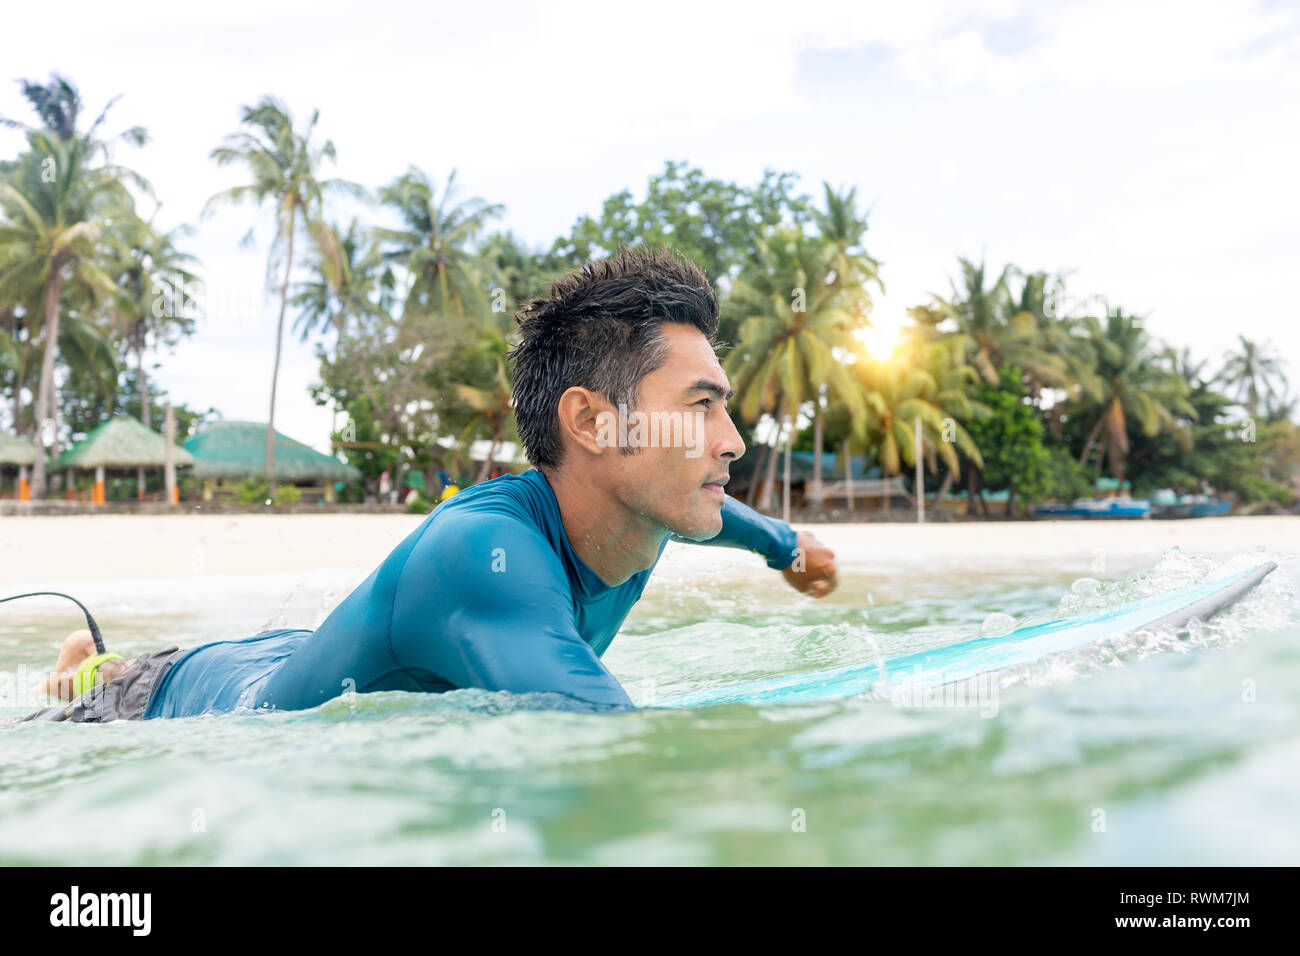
90,621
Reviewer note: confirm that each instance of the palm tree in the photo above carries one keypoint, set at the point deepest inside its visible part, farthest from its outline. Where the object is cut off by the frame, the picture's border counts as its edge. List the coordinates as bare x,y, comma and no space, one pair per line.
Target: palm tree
1189,369
489,397
843,228
285,168
944,361
52,209
148,270
58,105
999,329
1134,383
1254,371
349,281
792,315
897,394
434,245
518,270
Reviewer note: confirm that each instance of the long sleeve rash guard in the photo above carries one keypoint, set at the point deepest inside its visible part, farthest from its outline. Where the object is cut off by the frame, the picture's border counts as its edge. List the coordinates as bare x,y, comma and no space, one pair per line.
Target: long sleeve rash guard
487,592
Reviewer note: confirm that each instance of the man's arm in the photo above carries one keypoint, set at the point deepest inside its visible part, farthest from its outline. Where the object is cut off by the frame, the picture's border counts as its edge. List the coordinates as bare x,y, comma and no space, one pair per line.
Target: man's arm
484,602
743,527
807,565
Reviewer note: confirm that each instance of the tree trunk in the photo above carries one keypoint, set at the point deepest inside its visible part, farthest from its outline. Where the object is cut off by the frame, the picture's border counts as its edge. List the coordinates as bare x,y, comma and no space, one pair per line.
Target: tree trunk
275,370
1011,501
818,495
1087,445
785,483
1054,420
918,452
50,332
848,474
144,391
769,481
11,326
144,403
755,478
169,456
491,456
943,490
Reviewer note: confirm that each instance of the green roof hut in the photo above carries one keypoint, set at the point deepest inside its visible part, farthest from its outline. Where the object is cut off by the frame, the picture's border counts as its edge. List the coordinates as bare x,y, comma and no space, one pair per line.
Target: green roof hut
20,454
123,443
233,451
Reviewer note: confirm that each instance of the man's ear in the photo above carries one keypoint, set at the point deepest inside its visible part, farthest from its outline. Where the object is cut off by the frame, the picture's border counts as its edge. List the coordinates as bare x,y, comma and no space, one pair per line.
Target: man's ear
587,419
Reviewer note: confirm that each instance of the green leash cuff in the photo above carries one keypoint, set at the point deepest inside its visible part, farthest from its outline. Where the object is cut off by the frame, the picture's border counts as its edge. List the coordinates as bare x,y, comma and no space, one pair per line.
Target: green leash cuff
84,679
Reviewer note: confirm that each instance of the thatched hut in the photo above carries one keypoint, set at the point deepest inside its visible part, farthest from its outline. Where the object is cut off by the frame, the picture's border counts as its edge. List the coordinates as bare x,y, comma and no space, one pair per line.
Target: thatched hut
17,454
226,453
121,443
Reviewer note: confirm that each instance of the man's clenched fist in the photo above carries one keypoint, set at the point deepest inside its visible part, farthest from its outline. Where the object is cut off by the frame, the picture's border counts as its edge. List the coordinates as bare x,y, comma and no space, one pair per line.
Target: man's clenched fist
813,570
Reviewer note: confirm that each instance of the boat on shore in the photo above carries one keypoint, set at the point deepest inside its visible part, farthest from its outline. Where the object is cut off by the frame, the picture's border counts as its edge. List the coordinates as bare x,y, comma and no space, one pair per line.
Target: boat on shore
1170,505
1113,507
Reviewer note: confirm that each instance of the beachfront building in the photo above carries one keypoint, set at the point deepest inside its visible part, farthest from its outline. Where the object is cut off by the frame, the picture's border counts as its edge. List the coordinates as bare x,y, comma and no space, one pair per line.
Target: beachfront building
860,483
228,453
17,455
119,444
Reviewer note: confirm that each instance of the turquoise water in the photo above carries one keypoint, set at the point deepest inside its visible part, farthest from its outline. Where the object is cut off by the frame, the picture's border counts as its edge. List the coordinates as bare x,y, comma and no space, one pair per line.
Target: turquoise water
1152,749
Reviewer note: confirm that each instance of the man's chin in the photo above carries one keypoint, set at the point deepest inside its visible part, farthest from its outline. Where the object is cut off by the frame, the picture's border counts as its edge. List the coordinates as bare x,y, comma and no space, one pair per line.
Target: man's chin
702,530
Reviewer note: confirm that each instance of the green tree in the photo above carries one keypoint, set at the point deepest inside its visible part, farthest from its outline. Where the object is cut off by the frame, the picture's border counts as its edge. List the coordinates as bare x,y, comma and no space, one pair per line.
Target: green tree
1252,372
1011,439
435,246
1135,383
996,328
347,280
711,221
1220,455
284,166
53,205
152,277
843,229
791,315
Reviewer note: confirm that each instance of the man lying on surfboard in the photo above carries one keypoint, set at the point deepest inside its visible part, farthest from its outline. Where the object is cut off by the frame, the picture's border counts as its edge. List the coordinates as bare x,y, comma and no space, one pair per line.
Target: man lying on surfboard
519,583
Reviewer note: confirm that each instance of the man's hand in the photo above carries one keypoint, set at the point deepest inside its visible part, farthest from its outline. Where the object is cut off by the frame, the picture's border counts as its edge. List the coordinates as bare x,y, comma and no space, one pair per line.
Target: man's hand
813,570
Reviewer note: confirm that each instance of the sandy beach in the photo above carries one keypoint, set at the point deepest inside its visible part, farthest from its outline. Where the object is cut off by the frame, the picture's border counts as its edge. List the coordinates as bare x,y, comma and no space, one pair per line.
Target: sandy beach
44,551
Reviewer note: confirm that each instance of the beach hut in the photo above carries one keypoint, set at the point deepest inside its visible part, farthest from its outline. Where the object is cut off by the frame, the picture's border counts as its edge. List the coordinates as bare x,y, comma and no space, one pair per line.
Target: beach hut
226,453
18,454
862,479
119,443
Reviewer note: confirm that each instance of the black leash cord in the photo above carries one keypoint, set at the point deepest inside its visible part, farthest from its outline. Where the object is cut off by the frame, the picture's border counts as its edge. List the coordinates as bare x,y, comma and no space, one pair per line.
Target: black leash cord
90,621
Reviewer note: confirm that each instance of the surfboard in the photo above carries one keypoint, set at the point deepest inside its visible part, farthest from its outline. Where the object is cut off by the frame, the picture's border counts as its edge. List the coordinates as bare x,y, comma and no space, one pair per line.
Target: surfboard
968,659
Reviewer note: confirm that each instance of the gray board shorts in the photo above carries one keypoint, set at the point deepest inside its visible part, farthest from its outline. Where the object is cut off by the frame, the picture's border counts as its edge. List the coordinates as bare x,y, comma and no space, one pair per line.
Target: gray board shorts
125,697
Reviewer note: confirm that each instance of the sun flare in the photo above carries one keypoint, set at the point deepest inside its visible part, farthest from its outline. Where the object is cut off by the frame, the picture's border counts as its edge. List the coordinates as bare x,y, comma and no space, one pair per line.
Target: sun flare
881,339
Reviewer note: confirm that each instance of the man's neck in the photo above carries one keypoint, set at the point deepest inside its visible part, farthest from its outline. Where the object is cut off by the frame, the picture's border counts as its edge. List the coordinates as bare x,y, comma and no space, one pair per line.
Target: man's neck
610,539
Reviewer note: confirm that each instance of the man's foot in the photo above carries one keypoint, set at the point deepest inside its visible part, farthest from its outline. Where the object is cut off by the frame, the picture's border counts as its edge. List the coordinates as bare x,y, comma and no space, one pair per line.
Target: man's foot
78,646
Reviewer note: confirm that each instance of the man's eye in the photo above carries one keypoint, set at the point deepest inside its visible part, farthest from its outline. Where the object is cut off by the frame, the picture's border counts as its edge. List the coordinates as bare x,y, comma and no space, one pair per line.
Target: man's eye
707,402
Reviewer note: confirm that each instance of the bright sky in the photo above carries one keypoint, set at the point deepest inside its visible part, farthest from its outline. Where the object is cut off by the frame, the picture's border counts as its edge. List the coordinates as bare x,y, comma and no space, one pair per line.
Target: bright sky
1148,148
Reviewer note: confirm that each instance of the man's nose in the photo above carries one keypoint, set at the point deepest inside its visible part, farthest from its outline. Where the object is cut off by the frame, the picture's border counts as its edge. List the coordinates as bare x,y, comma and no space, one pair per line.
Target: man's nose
732,443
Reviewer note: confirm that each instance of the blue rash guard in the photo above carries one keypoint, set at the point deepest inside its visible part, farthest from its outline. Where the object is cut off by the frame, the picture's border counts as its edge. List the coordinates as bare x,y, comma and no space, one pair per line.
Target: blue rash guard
487,592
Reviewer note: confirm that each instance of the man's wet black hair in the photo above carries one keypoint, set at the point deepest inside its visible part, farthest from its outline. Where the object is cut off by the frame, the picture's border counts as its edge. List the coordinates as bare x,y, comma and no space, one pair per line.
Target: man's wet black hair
602,328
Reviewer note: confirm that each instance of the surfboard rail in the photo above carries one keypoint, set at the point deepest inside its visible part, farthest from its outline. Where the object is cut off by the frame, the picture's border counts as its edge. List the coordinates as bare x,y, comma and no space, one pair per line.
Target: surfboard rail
966,659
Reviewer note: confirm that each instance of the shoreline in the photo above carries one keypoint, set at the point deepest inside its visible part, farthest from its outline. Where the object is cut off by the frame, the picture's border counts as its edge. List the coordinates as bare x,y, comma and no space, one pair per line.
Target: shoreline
134,547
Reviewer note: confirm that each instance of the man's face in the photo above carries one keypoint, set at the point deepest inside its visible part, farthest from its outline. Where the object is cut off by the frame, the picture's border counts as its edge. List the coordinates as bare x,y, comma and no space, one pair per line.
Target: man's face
684,440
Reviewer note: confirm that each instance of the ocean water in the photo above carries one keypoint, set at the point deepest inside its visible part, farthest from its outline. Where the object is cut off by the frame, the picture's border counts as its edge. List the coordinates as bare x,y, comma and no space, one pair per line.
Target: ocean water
1157,748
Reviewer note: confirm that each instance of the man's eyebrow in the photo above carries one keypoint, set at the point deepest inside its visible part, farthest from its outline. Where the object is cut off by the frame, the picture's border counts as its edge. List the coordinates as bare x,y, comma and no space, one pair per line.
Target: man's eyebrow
704,385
